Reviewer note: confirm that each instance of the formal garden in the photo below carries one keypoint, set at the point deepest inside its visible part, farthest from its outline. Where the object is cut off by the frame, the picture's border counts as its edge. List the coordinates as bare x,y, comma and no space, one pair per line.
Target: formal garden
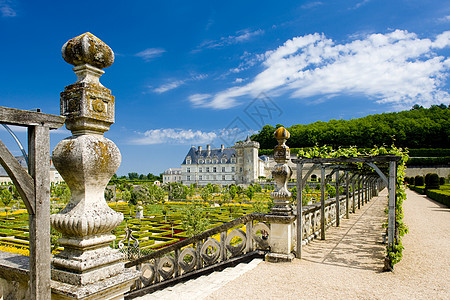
170,213
431,185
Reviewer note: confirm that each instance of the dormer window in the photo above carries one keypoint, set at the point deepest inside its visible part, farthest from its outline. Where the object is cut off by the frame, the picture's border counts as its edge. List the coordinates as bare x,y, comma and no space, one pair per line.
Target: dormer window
188,160
208,161
200,161
223,160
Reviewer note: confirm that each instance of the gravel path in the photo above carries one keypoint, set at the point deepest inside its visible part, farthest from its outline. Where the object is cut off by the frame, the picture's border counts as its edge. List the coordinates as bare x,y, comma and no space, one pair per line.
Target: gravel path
348,264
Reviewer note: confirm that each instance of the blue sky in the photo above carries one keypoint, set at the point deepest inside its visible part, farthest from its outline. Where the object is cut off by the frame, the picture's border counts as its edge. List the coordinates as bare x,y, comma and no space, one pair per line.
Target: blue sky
197,72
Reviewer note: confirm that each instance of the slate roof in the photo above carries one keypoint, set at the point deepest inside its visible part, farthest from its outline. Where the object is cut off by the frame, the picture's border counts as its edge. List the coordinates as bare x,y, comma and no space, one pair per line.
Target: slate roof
219,153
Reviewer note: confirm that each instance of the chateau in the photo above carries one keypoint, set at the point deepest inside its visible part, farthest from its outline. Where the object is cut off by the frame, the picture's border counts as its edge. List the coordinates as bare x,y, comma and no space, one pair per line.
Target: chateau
239,165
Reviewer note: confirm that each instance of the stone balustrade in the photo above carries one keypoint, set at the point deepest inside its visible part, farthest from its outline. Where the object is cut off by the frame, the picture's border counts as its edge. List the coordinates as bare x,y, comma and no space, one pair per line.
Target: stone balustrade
223,246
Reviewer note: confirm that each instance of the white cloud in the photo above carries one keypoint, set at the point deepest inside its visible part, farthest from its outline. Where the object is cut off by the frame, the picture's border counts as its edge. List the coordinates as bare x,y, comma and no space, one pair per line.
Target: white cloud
311,5
150,53
174,136
359,4
199,99
177,83
397,67
169,86
238,80
191,137
6,10
444,19
239,37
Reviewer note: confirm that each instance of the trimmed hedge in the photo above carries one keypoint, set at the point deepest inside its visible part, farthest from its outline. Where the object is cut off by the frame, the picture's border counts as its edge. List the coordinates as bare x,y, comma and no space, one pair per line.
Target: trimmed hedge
419,181
428,161
429,152
433,182
441,196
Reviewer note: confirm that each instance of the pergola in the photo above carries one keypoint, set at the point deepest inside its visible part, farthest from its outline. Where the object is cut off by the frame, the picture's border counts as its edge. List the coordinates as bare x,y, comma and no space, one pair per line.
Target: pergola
34,189
351,173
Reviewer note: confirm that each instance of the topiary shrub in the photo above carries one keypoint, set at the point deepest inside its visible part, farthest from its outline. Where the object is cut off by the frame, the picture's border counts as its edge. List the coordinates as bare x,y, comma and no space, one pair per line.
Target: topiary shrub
441,180
418,180
411,180
427,179
433,182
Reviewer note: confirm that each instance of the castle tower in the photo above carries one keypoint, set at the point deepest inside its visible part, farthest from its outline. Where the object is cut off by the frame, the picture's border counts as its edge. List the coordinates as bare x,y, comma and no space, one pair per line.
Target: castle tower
246,161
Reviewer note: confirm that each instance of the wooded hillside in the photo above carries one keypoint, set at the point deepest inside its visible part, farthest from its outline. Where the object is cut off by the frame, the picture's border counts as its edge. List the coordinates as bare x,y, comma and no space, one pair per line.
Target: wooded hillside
417,128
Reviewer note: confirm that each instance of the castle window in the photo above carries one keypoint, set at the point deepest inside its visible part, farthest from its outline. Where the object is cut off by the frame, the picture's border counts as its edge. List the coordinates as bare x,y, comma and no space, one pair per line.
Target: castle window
208,161
223,169
200,177
223,177
240,169
232,169
188,170
224,160
200,170
200,161
188,160
207,169
188,177
233,160
214,169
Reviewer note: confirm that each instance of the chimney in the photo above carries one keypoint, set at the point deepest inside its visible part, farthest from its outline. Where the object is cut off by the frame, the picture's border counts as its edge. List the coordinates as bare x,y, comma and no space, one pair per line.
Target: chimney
222,147
208,150
199,149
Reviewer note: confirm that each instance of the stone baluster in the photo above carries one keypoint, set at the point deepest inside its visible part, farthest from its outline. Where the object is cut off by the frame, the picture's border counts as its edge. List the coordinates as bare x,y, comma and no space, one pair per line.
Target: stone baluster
87,161
282,232
282,197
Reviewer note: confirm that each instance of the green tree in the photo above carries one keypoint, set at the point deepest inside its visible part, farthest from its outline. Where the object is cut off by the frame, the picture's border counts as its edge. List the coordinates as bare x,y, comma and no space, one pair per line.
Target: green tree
206,193
294,193
133,176
109,194
232,191
6,197
177,191
126,196
250,192
216,188
194,220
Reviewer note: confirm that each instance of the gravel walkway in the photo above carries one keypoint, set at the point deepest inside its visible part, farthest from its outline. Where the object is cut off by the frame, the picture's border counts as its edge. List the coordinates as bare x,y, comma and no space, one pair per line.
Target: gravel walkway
348,264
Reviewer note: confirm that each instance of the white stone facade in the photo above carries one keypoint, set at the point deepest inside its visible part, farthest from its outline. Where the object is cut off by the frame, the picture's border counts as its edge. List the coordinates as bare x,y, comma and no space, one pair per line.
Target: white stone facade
224,166
172,175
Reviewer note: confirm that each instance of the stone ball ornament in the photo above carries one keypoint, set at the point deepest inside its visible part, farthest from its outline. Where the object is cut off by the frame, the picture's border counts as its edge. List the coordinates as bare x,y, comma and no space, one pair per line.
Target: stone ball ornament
281,134
87,49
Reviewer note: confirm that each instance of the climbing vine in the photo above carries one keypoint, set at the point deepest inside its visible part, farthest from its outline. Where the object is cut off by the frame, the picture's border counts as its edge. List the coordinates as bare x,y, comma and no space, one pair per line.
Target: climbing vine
394,252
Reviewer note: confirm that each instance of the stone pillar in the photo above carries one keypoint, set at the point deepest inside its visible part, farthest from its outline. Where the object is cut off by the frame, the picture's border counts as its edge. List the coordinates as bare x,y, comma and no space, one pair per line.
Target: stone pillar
282,233
87,161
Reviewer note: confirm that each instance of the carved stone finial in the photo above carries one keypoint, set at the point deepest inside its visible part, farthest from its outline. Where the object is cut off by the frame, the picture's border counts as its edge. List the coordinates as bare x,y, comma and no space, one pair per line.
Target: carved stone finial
87,49
281,173
87,105
281,152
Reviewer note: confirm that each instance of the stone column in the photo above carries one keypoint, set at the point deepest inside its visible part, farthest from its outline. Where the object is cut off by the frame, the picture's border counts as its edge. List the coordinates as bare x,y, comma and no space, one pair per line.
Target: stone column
87,161
282,230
